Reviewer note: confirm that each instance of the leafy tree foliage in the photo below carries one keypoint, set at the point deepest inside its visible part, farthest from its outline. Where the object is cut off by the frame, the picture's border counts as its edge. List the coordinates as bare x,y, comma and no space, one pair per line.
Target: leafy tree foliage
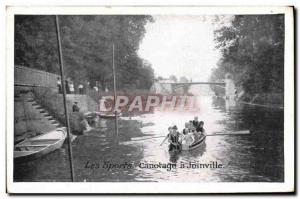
253,52
87,47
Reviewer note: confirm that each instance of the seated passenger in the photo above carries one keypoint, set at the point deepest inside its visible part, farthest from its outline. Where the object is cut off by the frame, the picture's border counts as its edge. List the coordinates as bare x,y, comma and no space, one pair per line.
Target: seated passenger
186,129
195,133
200,127
188,139
196,121
191,125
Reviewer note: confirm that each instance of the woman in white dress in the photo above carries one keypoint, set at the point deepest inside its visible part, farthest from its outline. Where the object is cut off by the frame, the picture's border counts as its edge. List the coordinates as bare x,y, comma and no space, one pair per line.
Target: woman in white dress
189,138
72,90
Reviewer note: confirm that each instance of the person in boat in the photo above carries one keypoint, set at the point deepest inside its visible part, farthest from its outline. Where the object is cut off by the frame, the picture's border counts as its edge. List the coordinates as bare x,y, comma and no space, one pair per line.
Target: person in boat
195,133
191,125
186,129
196,122
200,128
189,138
173,138
75,107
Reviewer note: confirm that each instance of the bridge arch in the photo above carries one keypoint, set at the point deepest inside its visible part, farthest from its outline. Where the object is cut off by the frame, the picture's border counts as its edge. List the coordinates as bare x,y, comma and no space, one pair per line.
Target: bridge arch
227,84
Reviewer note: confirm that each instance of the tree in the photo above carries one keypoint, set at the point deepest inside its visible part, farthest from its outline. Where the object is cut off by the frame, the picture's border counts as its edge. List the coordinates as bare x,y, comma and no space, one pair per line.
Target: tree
253,52
87,47
160,78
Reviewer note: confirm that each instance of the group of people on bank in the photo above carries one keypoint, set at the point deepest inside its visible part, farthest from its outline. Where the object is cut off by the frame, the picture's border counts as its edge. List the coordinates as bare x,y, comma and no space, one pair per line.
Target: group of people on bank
70,88
80,88
192,132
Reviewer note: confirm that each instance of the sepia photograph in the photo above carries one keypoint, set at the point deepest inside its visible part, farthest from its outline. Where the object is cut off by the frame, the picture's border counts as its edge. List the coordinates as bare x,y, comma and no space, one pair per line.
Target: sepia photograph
133,96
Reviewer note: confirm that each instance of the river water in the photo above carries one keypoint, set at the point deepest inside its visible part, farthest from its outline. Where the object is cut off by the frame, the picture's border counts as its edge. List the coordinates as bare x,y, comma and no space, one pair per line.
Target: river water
257,157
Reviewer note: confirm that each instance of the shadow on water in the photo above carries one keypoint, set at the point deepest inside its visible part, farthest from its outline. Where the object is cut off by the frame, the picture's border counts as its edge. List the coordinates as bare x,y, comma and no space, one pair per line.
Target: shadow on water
187,155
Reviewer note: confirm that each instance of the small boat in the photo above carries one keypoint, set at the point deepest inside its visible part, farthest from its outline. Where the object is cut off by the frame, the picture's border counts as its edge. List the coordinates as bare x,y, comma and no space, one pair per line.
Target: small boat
199,142
38,146
101,114
107,115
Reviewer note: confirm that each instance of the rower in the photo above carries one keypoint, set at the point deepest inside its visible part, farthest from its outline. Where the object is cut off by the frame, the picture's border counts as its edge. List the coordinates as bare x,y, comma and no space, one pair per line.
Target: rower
174,139
198,125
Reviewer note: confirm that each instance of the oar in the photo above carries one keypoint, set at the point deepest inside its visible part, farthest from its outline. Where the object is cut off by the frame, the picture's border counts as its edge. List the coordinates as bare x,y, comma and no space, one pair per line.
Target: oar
143,138
243,132
164,140
134,140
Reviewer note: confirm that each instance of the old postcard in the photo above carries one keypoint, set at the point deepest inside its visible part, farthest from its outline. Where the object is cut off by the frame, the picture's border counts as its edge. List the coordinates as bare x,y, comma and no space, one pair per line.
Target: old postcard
150,99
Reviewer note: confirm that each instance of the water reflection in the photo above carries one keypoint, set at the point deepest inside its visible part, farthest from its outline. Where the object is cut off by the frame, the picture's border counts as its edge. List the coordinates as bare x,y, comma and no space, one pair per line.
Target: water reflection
245,158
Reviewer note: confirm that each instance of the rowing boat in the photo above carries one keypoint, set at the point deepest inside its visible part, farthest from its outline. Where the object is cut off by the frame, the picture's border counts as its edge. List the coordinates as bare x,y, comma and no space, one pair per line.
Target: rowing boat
106,115
199,142
38,146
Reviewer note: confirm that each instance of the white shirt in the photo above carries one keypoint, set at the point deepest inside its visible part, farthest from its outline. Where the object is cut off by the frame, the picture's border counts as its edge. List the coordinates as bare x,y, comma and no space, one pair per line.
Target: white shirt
71,87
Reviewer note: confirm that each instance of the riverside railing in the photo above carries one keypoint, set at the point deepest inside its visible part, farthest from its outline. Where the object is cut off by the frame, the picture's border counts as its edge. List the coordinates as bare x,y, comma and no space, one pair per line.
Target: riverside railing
25,76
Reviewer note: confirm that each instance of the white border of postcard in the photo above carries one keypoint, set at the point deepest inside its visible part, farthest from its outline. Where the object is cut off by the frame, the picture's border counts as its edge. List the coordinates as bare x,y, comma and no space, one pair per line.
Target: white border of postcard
158,187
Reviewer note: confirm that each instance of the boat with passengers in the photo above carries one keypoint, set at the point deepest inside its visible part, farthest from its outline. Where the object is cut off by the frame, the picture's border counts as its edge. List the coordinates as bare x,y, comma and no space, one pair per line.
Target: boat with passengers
191,137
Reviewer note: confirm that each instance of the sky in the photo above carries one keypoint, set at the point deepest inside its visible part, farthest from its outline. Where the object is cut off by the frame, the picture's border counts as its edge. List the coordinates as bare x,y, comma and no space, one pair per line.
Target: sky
180,46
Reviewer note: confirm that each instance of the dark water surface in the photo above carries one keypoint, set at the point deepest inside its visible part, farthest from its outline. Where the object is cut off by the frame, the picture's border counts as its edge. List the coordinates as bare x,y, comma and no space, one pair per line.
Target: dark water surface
257,157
